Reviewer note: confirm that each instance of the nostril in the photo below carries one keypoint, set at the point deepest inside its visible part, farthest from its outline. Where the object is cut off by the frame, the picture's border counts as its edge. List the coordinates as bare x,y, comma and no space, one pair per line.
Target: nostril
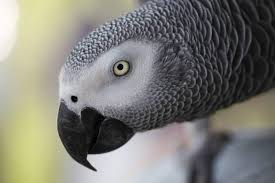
74,99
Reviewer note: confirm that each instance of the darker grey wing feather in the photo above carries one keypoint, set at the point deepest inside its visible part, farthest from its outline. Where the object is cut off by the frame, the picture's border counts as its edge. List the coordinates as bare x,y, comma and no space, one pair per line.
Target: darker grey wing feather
259,61
246,50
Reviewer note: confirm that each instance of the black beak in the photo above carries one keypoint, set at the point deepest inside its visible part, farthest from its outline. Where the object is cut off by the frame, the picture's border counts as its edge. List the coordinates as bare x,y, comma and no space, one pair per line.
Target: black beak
90,133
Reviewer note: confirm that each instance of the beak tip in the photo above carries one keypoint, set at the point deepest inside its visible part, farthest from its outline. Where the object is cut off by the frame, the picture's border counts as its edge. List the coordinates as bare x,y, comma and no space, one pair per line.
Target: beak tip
89,166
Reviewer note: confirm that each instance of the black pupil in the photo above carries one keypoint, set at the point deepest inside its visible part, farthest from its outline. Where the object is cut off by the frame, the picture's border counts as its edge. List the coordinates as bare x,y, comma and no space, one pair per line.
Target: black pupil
120,67
74,99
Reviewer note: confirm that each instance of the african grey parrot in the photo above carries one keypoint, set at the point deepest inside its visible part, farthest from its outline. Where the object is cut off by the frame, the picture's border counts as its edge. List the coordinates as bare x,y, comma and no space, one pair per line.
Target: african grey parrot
167,61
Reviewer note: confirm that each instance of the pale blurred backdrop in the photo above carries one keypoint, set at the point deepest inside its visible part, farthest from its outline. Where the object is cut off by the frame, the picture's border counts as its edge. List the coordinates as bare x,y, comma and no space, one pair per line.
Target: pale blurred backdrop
30,150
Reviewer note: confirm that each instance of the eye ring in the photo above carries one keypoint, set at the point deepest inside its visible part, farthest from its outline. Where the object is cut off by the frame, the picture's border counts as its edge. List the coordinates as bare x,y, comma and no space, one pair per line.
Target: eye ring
121,68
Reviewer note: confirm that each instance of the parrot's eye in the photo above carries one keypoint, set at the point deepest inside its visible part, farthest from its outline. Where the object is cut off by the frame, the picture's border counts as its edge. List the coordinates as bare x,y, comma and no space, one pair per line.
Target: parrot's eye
74,99
121,68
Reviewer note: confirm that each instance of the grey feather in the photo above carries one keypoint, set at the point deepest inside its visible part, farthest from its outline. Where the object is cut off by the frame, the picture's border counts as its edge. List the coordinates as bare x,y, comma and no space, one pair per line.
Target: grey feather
214,53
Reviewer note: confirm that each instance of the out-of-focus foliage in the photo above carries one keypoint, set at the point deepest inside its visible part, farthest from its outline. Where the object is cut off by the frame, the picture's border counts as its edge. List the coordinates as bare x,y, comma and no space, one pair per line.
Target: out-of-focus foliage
30,148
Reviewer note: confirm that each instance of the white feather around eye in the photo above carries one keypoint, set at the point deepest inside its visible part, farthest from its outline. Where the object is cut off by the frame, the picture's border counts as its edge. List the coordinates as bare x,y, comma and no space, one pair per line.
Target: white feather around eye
97,86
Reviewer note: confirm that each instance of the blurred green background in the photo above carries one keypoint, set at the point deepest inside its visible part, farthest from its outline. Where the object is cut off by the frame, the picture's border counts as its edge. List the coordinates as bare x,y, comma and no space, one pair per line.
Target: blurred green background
31,151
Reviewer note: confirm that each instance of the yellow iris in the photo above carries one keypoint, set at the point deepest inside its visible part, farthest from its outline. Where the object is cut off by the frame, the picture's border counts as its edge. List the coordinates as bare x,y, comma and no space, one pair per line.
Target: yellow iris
121,68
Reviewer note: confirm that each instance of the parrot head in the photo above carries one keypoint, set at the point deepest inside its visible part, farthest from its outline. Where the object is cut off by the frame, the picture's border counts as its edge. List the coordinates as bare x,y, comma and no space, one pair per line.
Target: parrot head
125,77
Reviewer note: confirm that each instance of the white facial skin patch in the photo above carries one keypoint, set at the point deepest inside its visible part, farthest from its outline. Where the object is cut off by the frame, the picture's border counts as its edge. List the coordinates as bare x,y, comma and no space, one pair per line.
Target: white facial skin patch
99,87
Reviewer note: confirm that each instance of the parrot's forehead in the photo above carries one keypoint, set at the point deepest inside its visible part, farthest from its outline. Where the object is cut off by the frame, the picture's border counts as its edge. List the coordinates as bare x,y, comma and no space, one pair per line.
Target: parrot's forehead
101,40
137,25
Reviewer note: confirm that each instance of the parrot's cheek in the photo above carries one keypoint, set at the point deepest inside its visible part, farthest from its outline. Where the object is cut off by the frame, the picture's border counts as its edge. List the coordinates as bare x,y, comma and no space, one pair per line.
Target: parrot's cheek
90,133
